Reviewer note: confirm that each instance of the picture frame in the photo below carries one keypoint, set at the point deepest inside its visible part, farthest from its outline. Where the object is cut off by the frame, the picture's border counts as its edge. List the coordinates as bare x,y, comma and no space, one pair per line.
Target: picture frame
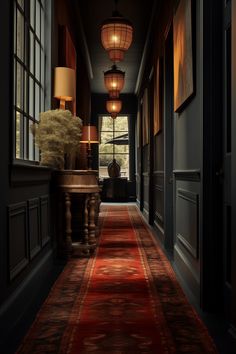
158,97
145,118
138,130
183,55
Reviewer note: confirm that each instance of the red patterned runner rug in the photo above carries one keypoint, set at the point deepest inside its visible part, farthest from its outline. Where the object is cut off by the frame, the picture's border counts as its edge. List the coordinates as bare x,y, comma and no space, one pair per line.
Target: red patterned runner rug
126,299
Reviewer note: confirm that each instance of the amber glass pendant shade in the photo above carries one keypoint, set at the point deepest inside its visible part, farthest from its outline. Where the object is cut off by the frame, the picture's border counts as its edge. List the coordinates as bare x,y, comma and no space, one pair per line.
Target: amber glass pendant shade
114,80
114,107
116,36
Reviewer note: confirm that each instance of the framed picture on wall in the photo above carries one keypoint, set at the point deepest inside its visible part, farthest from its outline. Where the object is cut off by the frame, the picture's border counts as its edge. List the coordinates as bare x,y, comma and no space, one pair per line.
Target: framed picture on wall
145,117
138,129
183,55
158,96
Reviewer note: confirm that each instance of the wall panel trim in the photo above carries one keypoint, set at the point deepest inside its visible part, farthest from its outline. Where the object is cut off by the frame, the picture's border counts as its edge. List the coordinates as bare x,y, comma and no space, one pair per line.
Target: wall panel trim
188,175
14,211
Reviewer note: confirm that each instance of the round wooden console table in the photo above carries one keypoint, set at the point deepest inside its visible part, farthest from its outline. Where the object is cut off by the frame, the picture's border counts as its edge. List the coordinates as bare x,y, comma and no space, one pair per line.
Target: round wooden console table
82,182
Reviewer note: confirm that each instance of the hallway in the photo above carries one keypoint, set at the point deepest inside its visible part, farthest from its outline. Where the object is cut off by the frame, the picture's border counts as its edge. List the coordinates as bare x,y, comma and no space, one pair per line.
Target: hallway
125,299
129,101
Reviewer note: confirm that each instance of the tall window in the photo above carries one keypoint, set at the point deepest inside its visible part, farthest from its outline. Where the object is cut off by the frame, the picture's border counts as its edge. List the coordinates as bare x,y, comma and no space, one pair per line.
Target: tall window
29,74
114,144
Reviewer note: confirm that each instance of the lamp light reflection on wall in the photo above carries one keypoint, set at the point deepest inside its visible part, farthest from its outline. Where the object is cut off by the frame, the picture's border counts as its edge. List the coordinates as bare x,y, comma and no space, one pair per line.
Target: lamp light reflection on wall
89,136
114,107
116,36
114,80
64,85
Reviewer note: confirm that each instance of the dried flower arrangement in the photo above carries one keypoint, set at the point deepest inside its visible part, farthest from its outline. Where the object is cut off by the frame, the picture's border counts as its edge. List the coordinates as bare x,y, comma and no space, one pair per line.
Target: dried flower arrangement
58,133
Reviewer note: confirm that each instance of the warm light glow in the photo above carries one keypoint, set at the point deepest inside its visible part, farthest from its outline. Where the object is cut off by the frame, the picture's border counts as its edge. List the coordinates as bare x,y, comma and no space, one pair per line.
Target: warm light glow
64,84
114,81
113,107
116,36
114,39
89,134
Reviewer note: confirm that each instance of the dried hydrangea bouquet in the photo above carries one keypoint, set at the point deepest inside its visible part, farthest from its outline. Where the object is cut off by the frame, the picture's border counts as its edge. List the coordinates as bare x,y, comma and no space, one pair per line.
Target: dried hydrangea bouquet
57,134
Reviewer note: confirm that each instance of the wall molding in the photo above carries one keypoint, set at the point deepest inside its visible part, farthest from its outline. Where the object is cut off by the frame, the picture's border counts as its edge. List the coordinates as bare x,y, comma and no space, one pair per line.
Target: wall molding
19,211
192,198
187,245
187,195
23,174
186,262
146,174
159,216
158,173
33,204
44,223
158,187
145,213
187,175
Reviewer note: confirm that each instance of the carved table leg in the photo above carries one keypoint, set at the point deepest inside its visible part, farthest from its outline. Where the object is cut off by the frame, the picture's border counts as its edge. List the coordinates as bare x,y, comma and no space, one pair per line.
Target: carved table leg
68,223
92,226
86,242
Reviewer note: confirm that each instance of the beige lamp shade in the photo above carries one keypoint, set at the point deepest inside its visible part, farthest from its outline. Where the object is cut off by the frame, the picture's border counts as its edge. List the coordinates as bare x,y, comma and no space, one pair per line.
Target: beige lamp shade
89,134
114,80
116,36
64,83
114,107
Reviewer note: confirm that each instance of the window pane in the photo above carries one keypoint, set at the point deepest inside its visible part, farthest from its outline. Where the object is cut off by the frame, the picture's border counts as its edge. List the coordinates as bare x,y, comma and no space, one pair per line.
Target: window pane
121,149
31,52
37,101
42,67
32,13
15,29
20,36
36,153
106,136
37,26
121,123
25,138
42,101
107,124
26,92
123,161
31,141
21,3
37,60
42,28
104,160
31,97
106,149
19,86
19,136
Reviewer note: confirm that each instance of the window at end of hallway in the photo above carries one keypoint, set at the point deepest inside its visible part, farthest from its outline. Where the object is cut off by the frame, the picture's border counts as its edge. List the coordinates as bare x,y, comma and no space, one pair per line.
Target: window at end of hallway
114,144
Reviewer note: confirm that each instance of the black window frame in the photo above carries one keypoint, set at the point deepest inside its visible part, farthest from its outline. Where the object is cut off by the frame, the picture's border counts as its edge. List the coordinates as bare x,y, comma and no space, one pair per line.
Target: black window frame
114,134
24,148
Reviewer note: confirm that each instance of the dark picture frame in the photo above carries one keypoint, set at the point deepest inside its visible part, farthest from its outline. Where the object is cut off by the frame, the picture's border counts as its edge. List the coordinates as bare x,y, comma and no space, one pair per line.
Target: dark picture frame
145,118
183,55
158,97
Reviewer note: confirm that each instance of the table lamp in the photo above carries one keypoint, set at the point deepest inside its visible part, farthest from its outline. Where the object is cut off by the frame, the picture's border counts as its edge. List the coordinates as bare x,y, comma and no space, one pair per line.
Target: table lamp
89,136
64,85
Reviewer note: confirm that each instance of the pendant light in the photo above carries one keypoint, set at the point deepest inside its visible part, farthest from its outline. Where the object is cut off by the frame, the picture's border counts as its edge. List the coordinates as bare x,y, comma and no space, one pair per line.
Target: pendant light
113,106
116,36
114,80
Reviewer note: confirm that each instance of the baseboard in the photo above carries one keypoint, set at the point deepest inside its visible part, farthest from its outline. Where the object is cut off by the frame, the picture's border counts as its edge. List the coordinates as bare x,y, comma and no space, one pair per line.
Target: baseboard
146,214
159,231
186,276
18,312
